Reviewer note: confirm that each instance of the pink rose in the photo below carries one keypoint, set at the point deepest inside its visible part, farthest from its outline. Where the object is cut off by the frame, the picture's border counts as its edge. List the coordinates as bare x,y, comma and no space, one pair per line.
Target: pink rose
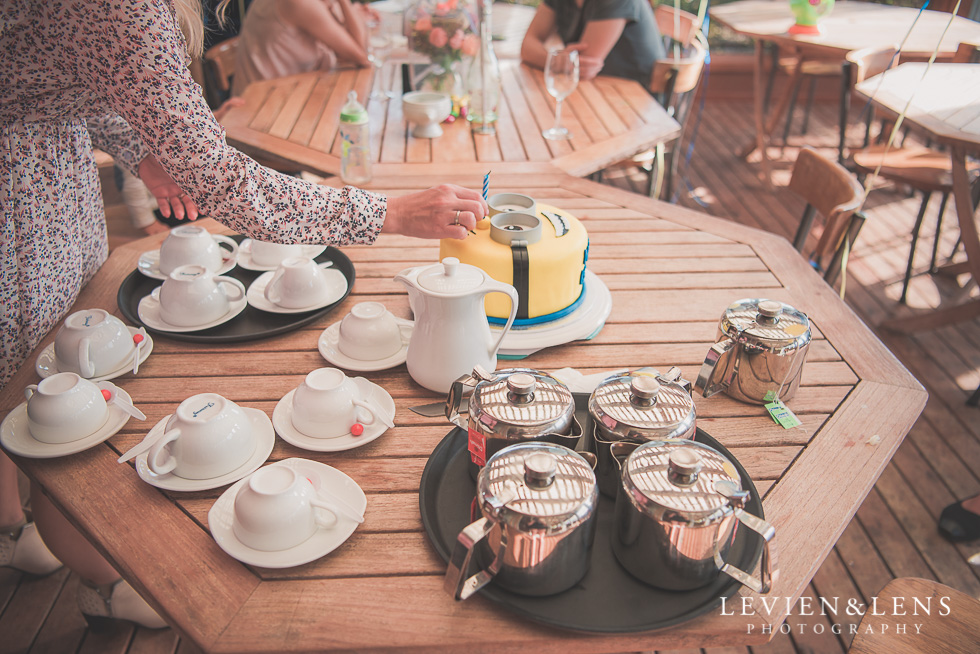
423,24
442,9
457,40
471,45
438,37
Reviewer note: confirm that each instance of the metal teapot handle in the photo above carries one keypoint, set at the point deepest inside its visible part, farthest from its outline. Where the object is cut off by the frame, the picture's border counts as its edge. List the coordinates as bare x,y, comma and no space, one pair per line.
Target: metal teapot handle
719,352
764,584
456,583
456,394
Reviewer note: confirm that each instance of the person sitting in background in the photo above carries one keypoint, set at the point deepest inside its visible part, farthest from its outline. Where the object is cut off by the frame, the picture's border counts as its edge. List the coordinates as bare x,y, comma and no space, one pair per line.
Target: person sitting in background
285,37
618,38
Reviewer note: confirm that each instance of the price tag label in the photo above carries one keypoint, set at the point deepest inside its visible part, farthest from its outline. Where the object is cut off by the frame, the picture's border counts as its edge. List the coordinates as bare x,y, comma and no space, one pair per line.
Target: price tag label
782,415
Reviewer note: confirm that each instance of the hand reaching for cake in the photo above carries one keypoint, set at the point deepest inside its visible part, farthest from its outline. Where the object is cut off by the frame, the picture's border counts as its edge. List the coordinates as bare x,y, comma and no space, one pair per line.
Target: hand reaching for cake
444,211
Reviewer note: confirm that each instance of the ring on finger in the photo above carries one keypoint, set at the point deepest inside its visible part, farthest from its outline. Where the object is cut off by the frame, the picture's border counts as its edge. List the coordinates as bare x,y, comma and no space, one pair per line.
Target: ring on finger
456,220
181,195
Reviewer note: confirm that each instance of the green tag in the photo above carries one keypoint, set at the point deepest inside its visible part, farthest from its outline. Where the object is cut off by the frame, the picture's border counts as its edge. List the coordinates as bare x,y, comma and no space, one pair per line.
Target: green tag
770,396
782,415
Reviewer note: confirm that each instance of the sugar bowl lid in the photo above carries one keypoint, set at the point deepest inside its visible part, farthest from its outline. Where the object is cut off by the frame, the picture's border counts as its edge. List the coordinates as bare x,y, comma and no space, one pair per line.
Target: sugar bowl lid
682,481
547,482
768,323
522,401
640,406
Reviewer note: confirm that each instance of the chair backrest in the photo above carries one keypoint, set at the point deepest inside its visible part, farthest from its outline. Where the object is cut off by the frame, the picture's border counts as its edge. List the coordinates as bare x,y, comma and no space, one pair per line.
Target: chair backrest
967,53
951,625
220,65
830,190
869,62
676,24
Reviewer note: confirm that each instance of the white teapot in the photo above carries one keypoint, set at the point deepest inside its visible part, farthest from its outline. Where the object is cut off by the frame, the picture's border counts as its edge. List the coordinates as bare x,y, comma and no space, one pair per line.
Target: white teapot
451,334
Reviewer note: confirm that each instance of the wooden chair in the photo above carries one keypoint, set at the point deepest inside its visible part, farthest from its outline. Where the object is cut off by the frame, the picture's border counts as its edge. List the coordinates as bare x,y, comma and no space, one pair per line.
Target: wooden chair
219,67
923,169
676,25
951,625
832,191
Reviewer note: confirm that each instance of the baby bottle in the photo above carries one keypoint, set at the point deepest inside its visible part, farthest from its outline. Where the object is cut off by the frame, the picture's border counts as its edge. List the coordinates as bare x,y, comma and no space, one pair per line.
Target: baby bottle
355,135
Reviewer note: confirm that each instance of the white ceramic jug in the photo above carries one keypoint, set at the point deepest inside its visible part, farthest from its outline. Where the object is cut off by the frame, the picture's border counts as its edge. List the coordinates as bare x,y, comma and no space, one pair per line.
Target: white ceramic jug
451,334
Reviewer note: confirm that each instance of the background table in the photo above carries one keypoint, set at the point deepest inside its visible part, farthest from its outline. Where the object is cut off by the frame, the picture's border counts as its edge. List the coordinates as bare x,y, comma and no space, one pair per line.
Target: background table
944,103
296,120
850,26
671,272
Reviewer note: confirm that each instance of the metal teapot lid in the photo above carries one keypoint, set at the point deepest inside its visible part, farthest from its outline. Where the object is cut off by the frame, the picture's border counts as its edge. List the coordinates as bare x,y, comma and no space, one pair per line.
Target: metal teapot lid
682,481
547,482
451,277
639,406
521,401
768,323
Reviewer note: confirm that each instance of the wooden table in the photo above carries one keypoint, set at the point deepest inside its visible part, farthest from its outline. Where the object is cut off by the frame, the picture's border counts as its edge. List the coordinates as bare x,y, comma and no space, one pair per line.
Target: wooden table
945,104
296,120
850,26
671,273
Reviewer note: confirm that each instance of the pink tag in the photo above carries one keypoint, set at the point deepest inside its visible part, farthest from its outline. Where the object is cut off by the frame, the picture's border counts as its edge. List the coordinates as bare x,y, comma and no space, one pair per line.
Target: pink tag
477,447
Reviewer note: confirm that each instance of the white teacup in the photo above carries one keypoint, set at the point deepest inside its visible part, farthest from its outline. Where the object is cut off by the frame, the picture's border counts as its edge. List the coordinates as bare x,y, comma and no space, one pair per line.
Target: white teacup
194,296
326,405
507,202
269,254
64,408
277,509
297,283
191,244
93,343
208,436
369,333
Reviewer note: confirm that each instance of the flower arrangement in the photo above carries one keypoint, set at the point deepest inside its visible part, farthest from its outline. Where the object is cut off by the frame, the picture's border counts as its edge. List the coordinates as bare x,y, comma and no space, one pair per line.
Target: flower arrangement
444,32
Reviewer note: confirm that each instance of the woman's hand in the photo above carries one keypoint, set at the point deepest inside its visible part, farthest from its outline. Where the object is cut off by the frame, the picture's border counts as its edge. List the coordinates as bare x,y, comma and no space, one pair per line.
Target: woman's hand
170,197
444,211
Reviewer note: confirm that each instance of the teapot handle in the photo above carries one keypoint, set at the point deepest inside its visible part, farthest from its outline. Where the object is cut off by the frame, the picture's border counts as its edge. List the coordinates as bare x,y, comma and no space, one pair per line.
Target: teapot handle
718,353
764,584
455,398
456,583
511,292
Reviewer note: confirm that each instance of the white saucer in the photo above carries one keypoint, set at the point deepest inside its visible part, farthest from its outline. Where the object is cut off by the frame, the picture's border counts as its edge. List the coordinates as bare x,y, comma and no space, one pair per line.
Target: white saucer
322,542
581,324
47,363
256,293
263,448
245,255
16,435
282,418
149,261
329,340
149,312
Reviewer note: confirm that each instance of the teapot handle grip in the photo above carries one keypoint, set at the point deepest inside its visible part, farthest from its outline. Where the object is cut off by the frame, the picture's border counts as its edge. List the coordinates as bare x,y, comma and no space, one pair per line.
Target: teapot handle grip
455,399
510,292
718,353
456,583
764,584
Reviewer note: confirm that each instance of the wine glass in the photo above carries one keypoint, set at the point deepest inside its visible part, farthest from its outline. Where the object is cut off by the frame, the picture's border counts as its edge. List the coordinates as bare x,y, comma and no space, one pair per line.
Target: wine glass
561,78
378,47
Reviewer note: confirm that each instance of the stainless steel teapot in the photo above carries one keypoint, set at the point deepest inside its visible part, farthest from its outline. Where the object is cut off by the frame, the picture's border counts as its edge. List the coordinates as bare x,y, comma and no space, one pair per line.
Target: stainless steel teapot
637,407
513,406
538,502
759,356
677,512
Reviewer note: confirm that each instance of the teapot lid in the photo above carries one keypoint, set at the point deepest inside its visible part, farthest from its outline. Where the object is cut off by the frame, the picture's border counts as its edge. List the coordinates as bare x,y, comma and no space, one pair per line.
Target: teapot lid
451,277
544,481
521,401
640,406
681,481
767,322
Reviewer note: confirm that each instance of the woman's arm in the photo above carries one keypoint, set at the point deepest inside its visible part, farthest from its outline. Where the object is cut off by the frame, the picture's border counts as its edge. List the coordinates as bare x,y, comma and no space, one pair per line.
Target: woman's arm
542,27
348,38
598,39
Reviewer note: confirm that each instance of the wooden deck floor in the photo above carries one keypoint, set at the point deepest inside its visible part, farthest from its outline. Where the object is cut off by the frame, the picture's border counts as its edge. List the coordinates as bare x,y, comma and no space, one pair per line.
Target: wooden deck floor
894,533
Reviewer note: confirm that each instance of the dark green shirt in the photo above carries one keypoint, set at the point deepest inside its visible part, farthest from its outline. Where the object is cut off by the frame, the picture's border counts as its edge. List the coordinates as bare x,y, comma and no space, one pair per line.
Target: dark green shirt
638,47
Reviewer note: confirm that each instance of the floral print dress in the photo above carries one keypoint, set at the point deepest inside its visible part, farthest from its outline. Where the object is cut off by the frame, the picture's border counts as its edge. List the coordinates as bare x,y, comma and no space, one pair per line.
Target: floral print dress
113,73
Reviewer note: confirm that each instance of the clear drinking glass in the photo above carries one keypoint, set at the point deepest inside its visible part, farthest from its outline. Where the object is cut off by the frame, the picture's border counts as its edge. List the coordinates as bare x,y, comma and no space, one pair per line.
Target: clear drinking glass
378,48
561,78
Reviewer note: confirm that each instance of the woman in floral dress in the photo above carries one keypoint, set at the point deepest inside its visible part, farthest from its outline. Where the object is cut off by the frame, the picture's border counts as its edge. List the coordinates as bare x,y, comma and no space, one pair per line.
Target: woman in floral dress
117,69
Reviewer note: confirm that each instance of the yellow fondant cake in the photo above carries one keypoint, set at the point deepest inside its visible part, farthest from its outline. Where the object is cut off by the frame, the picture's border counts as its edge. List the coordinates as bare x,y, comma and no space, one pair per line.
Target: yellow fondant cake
548,273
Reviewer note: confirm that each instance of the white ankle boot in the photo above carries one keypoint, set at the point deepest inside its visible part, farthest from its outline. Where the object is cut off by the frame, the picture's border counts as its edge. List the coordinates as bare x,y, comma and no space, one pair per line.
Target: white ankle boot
23,549
122,603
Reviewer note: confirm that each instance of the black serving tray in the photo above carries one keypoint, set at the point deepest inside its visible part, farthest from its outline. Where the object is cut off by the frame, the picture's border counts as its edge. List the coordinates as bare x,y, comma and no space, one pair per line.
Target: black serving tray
608,599
251,324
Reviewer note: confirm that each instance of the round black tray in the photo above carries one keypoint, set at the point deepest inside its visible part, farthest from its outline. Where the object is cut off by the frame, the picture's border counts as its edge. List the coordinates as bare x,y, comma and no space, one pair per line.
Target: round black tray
251,324
608,599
